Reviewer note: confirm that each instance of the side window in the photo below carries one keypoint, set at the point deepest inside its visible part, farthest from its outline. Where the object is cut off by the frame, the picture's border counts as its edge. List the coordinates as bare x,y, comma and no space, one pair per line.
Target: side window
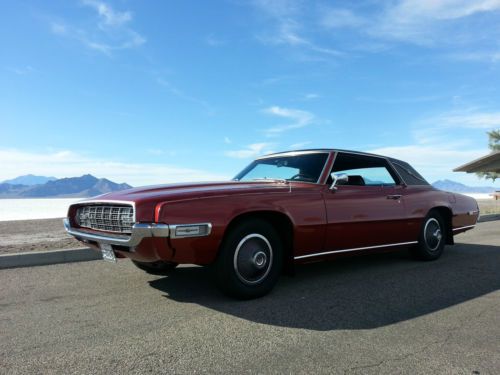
376,176
363,170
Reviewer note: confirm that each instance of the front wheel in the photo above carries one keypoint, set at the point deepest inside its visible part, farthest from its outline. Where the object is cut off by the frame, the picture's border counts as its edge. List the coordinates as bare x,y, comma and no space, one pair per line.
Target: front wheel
432,238
250,260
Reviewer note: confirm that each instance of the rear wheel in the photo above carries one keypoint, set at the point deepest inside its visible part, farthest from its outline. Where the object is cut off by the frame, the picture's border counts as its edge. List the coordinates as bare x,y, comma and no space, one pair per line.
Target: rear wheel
250,260
156,268
432,239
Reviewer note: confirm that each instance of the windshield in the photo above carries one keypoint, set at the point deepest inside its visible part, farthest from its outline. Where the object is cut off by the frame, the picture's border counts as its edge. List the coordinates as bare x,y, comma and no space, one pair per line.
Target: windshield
305,168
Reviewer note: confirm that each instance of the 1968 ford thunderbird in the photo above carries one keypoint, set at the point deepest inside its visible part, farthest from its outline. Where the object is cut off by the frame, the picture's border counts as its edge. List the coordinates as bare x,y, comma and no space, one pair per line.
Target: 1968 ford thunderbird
285,208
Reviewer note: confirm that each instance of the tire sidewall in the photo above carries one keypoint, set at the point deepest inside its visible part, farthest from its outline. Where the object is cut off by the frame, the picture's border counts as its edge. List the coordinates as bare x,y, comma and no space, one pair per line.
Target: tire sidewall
226,275
423,250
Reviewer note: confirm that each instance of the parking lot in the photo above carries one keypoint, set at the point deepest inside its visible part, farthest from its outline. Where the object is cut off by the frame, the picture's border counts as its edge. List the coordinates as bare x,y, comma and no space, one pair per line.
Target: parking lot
382,313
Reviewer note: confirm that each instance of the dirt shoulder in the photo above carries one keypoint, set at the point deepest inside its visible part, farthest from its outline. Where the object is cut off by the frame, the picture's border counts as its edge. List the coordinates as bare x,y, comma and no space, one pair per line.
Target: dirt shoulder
34,235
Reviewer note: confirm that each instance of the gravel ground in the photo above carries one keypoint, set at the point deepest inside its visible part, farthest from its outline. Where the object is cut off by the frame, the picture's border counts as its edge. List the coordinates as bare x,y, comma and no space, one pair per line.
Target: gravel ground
34,235
490,206
378,314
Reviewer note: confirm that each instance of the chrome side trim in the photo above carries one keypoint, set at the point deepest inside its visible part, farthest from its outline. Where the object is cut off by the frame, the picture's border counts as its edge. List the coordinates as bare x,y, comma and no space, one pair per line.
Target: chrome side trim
174,227
354,249
466,227
139,232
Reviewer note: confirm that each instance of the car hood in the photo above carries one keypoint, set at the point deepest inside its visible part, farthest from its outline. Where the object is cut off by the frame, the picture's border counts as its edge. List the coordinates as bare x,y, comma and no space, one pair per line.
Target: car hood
162,193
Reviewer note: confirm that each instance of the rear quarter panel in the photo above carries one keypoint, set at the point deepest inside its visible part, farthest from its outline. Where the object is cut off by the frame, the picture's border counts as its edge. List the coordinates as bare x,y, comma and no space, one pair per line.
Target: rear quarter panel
419,200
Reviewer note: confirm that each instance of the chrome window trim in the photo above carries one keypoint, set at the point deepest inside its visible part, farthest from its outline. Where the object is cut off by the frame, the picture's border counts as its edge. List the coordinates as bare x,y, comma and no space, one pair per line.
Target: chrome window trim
293,153
466,227
173,229
325,177
391,167
290,154
354,249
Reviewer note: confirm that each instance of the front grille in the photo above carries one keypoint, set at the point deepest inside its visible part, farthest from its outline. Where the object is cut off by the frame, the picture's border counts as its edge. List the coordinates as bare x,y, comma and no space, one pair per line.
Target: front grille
110,218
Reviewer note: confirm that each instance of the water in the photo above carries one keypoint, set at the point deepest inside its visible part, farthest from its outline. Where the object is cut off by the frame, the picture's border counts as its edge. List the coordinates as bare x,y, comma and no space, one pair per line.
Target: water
26,209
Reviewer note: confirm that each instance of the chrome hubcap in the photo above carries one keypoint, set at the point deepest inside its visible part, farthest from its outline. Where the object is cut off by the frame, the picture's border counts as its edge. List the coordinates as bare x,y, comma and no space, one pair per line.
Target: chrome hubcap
260,259
432,234
253,258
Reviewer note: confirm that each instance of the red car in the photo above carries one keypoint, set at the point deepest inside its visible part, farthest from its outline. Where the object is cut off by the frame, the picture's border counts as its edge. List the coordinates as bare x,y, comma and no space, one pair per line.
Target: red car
285,208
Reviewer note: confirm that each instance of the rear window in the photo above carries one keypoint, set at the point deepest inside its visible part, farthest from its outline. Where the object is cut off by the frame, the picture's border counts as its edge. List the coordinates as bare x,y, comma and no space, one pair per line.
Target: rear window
409,175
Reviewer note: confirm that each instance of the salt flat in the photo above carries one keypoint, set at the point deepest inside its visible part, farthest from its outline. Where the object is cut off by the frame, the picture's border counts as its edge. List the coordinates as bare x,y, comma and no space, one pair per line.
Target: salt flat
40,208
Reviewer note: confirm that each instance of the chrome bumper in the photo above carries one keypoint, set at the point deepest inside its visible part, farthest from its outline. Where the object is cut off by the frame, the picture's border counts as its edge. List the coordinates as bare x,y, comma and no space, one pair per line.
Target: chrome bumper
139,232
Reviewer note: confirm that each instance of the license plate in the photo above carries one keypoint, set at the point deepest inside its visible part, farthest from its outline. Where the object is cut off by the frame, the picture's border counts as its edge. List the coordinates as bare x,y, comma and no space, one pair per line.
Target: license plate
107,253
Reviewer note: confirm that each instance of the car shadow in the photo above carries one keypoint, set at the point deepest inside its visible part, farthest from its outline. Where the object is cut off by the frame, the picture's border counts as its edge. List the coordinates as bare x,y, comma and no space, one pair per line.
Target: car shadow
354,293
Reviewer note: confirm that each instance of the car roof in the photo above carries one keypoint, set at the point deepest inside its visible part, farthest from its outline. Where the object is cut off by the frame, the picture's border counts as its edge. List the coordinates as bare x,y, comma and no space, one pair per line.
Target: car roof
325,150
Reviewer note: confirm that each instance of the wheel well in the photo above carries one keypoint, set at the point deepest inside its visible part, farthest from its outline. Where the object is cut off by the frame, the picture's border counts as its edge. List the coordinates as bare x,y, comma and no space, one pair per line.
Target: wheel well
447,215
280,222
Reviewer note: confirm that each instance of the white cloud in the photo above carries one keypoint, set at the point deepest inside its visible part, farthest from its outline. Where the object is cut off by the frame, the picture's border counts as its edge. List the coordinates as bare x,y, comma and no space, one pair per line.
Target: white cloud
68,164
227,140
299,145
22,70
488,56
435,161
107,14
111,33
298,118
409,11
466,119
214,41
311,96
338,18
424,22
182,95
287,29
58,28
251,151
434,153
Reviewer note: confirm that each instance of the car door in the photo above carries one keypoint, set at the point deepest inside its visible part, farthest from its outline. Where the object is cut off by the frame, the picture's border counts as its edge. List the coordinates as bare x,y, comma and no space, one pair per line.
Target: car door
367,210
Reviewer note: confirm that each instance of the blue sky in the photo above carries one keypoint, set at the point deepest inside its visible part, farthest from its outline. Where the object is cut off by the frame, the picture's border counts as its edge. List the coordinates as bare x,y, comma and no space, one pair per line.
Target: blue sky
144,92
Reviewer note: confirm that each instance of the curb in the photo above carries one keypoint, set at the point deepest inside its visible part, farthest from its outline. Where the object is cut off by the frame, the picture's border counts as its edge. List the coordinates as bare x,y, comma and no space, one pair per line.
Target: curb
43,258
488,217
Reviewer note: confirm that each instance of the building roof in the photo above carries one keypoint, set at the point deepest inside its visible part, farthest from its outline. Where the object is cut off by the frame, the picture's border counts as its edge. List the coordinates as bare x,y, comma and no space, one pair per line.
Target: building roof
488,163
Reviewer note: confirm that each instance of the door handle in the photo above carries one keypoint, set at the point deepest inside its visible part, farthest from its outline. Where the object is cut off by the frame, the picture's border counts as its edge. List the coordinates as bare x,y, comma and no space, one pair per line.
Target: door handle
396,197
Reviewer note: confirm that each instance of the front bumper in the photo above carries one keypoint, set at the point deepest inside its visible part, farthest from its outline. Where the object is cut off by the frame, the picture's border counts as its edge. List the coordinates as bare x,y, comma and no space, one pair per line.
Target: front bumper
141,231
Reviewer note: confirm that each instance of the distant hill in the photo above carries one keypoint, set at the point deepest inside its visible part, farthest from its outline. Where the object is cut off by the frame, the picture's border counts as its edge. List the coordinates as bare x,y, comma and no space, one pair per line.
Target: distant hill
29,180
457,187
84,186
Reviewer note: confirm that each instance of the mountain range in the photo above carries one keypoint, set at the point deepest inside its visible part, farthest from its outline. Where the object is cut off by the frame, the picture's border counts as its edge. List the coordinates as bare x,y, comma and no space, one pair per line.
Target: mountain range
457,187
29,180
72,187
30,186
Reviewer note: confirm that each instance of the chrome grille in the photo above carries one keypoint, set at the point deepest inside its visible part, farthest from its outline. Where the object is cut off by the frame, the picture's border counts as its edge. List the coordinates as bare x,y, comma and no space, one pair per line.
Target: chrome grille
108,218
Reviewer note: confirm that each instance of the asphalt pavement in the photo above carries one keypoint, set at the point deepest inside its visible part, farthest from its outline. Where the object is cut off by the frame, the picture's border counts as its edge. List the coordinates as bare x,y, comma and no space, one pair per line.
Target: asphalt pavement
376,314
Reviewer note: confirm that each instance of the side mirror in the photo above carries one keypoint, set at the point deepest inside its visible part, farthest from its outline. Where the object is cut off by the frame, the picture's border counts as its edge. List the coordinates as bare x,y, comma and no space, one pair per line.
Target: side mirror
338,179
